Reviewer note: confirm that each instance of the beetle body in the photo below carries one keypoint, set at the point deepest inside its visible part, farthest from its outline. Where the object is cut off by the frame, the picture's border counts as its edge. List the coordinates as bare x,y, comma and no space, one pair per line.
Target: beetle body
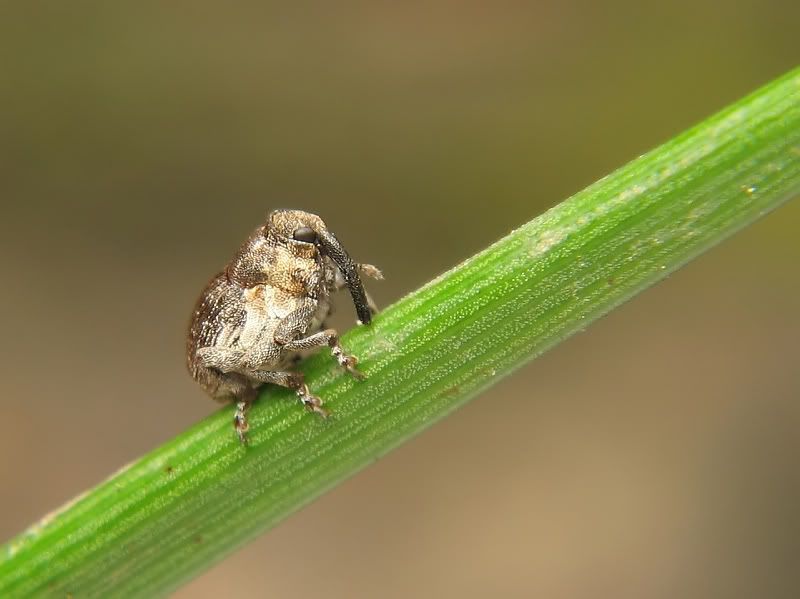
268,306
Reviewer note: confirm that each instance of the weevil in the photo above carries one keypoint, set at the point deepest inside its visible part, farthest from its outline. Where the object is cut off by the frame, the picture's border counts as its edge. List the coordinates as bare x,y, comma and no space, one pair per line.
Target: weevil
255,319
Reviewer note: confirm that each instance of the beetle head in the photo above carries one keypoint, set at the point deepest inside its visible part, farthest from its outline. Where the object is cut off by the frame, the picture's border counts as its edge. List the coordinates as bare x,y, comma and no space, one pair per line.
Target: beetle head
306,233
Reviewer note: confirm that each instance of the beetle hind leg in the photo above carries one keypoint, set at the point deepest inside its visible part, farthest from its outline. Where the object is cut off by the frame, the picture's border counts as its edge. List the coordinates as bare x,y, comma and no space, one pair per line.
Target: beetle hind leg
240,424
244,398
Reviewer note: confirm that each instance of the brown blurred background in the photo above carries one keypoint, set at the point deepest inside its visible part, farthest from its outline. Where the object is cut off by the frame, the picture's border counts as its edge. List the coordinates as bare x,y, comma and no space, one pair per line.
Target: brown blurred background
654,455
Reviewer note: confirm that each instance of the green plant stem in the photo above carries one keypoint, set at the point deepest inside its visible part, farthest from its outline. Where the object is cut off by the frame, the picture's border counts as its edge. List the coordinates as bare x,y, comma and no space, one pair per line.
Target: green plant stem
189,503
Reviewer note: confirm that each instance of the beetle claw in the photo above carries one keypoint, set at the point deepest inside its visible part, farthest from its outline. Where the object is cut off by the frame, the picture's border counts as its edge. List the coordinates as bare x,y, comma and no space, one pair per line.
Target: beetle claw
311,402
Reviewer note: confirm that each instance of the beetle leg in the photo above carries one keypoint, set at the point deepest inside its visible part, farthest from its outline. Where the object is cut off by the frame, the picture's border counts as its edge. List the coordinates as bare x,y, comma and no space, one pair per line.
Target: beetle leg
371,271
311,401
367,270
240,423
330,338
223,359
294,381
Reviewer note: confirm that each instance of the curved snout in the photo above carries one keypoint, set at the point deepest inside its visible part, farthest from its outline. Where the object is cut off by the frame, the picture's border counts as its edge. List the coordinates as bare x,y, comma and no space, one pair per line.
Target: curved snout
330,246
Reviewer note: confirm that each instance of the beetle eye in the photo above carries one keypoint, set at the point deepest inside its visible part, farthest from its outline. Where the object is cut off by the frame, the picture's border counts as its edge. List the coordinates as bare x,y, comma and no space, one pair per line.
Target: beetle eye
305,234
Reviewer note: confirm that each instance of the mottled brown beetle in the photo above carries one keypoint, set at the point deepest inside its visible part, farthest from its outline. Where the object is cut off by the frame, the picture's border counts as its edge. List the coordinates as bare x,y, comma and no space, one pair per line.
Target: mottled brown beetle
254,318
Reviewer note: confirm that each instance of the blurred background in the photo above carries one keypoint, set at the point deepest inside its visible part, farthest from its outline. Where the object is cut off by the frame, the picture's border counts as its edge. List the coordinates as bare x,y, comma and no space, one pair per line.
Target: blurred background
655,455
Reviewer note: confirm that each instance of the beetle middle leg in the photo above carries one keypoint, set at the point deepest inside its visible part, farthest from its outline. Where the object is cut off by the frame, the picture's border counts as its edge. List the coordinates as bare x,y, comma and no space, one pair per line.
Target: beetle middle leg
228,360
283,378
294,381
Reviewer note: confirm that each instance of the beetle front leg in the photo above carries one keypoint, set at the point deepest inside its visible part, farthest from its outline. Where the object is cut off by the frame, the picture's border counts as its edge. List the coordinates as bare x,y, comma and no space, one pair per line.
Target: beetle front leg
368,270
371,271
292,326
330,338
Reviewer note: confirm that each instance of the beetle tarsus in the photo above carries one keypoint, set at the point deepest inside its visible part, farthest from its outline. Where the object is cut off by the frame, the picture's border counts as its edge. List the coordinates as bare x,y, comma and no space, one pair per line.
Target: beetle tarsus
310,401
240,423
346,361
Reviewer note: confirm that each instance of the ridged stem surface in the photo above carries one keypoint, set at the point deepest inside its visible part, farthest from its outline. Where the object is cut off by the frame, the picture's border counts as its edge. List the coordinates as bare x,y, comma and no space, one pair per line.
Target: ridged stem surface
188,504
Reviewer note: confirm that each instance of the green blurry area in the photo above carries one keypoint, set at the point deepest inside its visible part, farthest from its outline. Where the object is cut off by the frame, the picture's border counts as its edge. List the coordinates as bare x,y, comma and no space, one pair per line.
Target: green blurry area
140,142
